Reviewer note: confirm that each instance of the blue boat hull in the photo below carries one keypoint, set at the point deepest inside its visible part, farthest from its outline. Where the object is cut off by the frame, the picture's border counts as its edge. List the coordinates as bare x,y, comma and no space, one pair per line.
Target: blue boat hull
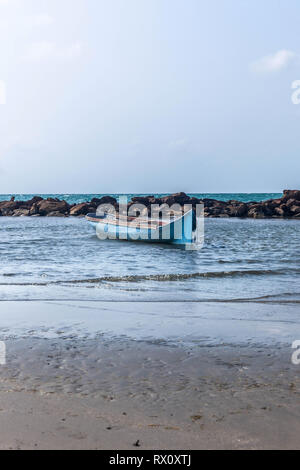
177,232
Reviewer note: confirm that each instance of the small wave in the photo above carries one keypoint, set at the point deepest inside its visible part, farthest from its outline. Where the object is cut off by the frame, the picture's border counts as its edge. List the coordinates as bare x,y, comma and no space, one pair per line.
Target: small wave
161,277
294,299
179,277
285,297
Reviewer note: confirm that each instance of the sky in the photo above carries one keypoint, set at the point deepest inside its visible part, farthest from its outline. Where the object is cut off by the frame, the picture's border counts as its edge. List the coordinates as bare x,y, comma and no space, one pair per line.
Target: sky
149,96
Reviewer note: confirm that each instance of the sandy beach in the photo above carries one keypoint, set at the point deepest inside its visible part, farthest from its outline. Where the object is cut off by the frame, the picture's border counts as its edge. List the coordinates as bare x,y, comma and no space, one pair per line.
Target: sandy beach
69,387
149,226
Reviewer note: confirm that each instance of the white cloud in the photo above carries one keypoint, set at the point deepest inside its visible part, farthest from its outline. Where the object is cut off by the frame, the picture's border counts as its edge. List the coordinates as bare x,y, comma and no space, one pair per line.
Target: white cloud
46,50
275,62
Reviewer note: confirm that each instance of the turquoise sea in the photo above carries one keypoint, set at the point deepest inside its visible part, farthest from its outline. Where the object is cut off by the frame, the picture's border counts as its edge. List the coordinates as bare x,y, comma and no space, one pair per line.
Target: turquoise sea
78,198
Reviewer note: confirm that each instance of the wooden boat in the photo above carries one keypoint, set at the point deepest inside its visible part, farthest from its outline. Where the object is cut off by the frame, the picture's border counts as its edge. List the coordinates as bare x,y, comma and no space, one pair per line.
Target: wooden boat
175,230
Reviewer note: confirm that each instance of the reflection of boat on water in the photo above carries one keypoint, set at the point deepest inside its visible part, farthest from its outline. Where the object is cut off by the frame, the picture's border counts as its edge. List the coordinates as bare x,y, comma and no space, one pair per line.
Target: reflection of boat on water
176,230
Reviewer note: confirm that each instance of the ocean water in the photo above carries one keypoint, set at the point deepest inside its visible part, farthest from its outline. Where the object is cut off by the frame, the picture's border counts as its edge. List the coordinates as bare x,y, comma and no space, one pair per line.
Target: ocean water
78,198
62,259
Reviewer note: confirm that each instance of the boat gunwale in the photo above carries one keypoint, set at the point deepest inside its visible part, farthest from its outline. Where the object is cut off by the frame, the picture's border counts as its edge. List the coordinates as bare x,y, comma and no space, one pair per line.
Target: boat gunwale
109,219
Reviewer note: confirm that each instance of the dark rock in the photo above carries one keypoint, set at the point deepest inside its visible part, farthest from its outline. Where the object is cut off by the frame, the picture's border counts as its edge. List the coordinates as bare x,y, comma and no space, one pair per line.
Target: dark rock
34,210
291,194
239,210
51,199
267,209
81,209
146,201
292,202
21,213
275,202
35,199
295,210
287,206
52,205
279,211
177,198
194,201
256,212
8,207
104,200
28,204
213,202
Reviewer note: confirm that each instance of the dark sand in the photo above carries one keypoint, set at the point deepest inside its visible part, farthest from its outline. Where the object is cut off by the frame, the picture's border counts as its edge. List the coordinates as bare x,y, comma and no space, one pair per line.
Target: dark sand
61,390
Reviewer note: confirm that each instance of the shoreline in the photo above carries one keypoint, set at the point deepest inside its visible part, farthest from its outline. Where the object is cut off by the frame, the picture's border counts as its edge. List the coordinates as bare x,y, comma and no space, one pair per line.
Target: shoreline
286,207
65,388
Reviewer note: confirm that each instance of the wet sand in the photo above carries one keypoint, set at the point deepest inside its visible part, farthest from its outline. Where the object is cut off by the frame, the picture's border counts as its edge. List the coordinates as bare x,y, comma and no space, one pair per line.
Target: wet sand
85,385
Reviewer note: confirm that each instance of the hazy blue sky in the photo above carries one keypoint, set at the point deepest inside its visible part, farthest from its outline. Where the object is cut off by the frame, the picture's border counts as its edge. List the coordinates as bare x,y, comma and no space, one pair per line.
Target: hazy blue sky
149,95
